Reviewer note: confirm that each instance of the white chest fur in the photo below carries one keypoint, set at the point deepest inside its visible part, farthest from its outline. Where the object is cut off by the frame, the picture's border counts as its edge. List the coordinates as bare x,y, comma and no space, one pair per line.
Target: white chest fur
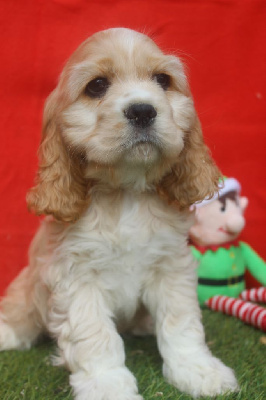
120,241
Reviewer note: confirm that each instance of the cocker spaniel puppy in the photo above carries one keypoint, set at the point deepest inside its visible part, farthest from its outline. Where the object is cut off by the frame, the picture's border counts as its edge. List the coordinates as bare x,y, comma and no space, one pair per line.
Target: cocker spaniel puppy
121,160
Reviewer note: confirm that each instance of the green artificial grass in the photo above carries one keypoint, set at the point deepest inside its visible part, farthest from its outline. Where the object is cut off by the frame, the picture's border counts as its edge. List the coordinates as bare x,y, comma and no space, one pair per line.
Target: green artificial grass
29,375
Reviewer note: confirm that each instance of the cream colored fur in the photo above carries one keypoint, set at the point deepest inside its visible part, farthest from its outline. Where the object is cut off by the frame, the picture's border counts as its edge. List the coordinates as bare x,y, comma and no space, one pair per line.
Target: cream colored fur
116,237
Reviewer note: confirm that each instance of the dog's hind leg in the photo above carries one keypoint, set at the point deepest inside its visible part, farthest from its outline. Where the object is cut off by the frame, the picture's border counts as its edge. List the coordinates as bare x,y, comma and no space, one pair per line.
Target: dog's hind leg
19,327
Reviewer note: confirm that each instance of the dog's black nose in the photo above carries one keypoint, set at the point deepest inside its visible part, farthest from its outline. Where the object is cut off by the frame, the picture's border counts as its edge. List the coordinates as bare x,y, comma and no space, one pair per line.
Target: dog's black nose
141,115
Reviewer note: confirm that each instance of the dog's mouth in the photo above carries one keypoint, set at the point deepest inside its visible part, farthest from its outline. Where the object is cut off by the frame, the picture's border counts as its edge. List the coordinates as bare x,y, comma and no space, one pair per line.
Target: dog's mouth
143,137
144,141
142,146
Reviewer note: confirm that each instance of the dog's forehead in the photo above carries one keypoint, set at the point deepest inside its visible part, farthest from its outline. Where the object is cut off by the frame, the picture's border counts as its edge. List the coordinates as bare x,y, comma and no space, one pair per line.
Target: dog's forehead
119,55
118,47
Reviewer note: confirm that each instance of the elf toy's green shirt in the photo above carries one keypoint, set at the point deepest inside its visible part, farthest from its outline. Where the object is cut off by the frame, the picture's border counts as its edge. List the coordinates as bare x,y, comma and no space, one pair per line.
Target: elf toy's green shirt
221,270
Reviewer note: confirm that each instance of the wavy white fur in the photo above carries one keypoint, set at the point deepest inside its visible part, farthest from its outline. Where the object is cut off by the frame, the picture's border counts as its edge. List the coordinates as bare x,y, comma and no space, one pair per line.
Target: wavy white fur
128,246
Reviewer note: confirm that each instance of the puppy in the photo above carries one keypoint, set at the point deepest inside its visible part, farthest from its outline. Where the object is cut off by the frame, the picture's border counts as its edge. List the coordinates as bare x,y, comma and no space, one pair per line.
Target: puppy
121,160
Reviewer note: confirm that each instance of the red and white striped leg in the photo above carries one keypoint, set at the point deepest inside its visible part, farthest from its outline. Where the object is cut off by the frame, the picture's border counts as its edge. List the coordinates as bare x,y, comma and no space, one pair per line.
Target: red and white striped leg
249,313
256,294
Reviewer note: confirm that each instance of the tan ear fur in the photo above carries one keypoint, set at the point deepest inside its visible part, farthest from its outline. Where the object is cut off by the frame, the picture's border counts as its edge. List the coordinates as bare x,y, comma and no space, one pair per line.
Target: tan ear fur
195,175
61,189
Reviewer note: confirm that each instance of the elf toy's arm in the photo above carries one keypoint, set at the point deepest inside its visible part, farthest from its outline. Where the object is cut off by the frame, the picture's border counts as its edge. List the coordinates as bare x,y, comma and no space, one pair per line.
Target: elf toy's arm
254,263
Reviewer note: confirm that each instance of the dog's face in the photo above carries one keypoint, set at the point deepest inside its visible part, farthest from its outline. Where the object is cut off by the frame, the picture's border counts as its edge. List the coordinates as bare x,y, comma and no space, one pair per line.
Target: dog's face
128,103
122,113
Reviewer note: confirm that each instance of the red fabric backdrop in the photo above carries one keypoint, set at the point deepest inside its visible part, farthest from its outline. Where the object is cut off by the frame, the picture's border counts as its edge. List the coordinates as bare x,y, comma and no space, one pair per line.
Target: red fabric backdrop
223,42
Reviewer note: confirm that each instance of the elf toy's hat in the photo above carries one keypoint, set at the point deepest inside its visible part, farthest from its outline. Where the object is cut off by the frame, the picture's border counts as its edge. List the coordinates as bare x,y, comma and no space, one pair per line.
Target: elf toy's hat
227,185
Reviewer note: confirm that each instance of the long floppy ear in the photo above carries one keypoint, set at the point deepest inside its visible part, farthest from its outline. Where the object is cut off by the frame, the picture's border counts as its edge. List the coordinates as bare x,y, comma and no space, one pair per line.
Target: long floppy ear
61,189
195,175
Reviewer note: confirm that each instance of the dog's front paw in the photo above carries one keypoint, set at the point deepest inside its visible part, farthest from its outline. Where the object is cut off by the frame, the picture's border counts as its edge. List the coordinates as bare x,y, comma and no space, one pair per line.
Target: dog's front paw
113,384
201,376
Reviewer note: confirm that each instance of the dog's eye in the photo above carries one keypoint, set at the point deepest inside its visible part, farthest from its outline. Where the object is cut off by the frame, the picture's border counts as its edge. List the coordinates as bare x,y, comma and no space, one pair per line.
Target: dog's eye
163,80
97,87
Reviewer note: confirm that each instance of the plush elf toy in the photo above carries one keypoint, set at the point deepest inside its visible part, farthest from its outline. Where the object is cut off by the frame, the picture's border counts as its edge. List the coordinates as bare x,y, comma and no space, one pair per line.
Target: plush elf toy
222,258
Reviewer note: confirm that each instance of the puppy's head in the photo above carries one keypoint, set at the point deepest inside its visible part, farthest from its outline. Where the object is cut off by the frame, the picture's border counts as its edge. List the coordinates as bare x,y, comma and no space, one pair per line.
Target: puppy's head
121,114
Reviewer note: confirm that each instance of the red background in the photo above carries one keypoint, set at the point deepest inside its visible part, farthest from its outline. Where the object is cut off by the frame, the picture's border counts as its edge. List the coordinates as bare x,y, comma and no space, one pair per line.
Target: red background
223,43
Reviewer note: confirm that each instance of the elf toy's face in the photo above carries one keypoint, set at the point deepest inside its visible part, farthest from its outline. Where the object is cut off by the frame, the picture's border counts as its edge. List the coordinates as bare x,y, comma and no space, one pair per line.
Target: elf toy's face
217,223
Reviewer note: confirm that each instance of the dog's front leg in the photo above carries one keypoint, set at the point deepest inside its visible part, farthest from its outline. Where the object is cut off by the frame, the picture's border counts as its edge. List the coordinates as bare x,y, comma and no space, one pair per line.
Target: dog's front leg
171,298
89,345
